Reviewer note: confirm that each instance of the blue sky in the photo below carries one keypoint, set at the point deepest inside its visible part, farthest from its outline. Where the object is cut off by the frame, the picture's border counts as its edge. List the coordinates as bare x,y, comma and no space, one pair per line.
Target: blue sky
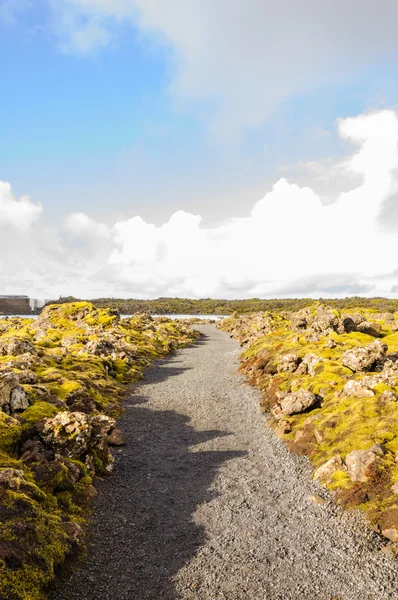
80,127
126,108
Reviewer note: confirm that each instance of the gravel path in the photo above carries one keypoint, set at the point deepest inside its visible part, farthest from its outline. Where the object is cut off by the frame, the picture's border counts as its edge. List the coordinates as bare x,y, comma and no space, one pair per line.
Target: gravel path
207,504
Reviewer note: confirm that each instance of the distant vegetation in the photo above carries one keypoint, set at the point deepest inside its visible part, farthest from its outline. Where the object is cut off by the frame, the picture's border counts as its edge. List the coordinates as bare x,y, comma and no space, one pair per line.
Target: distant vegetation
209,306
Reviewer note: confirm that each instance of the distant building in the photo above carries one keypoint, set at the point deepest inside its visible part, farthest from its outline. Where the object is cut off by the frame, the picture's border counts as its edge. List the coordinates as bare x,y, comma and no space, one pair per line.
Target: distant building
36,304
20,305
12,305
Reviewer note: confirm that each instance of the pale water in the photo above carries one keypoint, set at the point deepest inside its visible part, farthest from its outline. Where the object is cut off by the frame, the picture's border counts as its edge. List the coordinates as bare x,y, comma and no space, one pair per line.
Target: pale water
213,317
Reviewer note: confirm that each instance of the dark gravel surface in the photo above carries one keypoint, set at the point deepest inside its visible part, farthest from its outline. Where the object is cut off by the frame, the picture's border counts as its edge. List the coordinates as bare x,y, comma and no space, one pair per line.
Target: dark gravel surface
207,504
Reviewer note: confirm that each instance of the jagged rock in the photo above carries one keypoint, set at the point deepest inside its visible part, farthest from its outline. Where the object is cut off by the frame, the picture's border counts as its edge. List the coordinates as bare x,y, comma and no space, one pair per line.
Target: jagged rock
362,465
288,363
100,347
294,403
75,434
13,397
73,531
388,397
308,364
68,433
322,321
363,358
355,388
389,373
14,346
12,478
324,473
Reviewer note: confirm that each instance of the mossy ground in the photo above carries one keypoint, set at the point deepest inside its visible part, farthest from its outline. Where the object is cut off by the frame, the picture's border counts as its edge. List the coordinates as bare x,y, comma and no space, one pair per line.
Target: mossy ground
63,373
340,423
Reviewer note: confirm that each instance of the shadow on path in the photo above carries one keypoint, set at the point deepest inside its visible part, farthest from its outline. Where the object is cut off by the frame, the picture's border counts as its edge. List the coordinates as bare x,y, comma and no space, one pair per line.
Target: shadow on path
143,531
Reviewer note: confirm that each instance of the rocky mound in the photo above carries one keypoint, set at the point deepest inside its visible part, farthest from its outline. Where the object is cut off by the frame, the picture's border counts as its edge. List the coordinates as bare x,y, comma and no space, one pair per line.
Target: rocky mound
62,380
330,385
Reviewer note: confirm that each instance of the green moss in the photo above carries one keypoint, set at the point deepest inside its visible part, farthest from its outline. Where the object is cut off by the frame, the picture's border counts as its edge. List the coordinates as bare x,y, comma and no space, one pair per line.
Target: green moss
37,412
340,480
10,432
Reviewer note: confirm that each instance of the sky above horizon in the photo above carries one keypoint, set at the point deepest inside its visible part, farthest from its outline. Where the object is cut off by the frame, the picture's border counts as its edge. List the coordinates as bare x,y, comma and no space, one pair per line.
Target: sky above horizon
198,148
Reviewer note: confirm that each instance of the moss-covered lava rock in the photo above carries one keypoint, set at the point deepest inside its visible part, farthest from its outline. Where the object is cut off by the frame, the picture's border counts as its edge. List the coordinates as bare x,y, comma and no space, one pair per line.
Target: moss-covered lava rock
62,380
329,380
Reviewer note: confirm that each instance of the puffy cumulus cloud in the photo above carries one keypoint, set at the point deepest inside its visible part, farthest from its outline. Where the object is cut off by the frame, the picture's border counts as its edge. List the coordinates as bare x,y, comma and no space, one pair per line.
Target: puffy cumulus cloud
80,224
273,50
290,244
19,214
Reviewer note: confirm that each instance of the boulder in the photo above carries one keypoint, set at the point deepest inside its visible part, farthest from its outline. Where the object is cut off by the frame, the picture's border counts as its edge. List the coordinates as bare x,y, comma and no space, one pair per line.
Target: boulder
321,321
297,402
363,358
355,388
13,397
308,365
68,433
369,328
77,435
288,363
324,473
362,465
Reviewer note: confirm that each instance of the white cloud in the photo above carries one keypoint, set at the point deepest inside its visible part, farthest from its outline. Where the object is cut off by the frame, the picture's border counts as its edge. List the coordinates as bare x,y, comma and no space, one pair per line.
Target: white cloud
289,244
243,59
19,214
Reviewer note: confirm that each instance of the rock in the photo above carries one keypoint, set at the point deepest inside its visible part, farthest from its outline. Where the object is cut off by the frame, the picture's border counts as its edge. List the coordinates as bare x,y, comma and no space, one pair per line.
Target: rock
391,534
331,344
76,435
308,365
13,397
324,473
363,358
12,478
390,550
318,435
297,402
299,435
378,449
317,499
369,328
14,346
100,347
18,399
362,465
321,321
388,397
389,373
355,388
288,363
73,531
394,488
116,438
283,428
